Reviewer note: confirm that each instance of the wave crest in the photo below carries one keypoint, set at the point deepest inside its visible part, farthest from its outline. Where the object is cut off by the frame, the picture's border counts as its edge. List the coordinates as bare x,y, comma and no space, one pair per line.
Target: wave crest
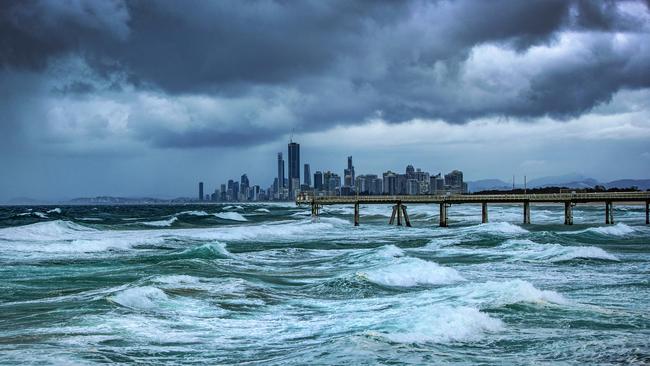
412,272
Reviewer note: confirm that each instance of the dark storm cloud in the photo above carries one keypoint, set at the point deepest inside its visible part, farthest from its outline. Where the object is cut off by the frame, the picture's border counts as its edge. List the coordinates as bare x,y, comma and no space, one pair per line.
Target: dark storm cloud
321,63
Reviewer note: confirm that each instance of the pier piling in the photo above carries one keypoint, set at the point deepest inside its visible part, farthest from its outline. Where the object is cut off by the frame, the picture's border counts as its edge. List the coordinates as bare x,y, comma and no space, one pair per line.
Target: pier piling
443,214
568,213
399,213
392,216
526,212
406,216
647,212
356,213
484,213
609,212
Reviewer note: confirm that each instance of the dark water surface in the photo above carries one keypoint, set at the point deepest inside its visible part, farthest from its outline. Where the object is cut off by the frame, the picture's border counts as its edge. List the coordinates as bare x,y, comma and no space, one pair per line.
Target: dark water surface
262,283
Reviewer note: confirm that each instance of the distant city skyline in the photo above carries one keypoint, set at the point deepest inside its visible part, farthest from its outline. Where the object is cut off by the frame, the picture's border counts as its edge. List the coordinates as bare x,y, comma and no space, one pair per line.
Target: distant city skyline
97,100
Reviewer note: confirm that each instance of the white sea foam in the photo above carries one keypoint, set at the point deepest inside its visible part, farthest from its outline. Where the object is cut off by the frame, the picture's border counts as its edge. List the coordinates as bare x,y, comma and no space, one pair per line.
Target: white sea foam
230,207
146,297
528,250
619,229
57,229
177,280
443,324
234,216
55,210
214,248
262,210
89,219
412,272
498,228
161,223
390,251
491,294
193,213
34,213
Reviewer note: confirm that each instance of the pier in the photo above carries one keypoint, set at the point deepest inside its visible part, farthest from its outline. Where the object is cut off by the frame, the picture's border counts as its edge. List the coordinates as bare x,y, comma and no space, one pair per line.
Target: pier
400,217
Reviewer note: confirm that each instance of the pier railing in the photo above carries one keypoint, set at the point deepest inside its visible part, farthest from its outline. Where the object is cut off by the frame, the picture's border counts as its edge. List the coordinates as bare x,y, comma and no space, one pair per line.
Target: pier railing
446,200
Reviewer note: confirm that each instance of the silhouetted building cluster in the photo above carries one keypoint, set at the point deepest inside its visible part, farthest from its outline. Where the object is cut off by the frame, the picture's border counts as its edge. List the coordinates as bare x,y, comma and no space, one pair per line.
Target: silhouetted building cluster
326,183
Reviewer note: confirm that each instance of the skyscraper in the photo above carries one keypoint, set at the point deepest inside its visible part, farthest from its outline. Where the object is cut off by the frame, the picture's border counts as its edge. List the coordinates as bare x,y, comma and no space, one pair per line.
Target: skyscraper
307,175
294,166
280,172
201,191
348,174
318,180
244,187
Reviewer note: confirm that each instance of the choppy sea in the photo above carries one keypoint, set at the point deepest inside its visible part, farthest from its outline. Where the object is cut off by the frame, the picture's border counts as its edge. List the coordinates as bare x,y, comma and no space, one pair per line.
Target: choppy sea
264,284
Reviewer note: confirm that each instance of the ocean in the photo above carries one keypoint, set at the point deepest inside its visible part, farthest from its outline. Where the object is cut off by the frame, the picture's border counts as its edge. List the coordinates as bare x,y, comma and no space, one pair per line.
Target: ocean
265,284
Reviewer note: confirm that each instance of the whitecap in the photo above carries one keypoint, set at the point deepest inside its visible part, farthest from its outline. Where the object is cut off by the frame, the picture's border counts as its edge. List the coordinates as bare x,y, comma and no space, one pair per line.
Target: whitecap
160,223
266,210
529,250
492,293
57,229
390,251
443,324
193,213
55,210
412,272
176,280
499,228
34,213
234,216
146,297
619,229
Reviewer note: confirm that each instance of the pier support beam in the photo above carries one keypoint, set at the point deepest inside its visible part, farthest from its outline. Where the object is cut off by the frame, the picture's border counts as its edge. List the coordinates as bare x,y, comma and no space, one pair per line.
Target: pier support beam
647,212
526,212
568,213
443,215
392,216
398,207
484,213
314,210
609,212
406,216
356,213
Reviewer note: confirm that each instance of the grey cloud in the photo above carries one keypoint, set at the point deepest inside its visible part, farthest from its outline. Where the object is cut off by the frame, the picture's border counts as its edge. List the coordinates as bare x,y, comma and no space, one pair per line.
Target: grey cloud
343,62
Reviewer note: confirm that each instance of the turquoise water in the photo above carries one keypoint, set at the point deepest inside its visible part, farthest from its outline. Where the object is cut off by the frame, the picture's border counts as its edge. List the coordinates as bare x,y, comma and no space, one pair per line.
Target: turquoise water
264,284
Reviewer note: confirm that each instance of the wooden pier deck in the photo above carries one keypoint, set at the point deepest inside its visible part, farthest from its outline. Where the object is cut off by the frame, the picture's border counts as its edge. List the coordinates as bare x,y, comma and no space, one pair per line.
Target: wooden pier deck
399,203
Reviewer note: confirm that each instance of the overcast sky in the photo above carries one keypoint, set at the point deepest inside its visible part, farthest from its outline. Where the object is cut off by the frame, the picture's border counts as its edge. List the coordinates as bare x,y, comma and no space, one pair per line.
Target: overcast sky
147,98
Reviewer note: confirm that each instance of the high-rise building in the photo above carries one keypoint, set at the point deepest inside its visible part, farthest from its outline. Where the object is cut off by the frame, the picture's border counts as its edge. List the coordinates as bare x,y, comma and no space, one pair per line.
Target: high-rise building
318,180
307,175
412,187
200,191
348,174
235,191
454,180
280,172
410,172
294,166
390,182
244,187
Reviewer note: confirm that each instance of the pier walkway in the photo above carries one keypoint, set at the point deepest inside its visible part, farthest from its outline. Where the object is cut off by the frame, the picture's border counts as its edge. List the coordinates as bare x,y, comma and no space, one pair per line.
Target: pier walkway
400,214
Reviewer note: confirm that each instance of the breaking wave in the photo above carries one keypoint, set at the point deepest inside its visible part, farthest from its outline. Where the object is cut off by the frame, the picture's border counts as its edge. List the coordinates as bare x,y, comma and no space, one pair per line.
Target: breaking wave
529,250
50,230
443,324
619,229
160,223
412,272
498,228
234,216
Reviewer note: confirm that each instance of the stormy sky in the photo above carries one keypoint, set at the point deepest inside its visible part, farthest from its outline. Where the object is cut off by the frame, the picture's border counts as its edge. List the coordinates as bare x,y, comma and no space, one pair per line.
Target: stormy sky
140,98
